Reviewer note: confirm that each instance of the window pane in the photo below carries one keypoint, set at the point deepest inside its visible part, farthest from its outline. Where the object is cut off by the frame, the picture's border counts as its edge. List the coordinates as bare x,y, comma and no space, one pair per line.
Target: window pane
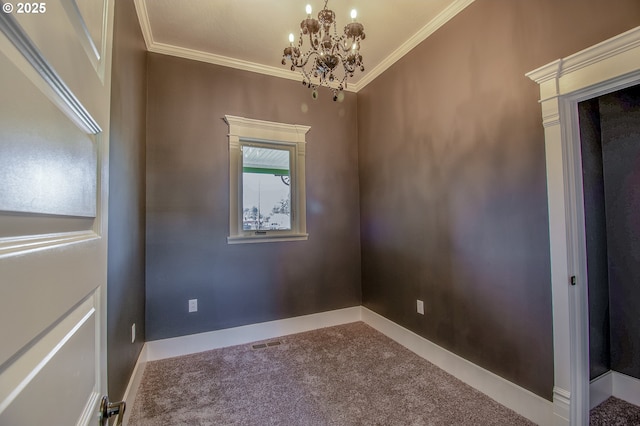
266,191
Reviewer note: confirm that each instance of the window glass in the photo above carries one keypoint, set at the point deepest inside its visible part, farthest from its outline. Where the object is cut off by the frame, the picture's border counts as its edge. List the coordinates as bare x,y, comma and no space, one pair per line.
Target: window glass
266,190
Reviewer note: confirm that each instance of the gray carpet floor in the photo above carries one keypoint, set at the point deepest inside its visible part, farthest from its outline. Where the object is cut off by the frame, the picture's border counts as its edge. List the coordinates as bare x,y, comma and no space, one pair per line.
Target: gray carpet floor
614,412
345,375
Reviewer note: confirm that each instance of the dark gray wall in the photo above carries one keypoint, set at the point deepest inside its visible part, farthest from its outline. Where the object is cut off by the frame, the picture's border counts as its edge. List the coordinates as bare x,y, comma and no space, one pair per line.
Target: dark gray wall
596,237
126,261
610,138
188,203
452,181
620,122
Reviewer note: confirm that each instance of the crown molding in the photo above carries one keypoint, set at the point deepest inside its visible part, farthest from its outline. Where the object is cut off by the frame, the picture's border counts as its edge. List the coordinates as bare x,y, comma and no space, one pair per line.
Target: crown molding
225,61
167,49
442,18
145,24
585,58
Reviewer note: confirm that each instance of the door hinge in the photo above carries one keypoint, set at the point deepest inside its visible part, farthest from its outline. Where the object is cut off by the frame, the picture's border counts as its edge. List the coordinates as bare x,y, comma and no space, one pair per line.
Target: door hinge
573,280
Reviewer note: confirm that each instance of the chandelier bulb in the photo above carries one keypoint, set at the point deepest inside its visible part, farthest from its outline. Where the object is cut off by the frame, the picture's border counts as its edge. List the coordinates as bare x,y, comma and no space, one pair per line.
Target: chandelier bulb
354,14
291,38
308,9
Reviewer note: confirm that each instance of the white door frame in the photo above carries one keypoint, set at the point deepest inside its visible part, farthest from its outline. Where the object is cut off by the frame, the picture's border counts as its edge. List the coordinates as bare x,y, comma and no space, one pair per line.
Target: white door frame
604,68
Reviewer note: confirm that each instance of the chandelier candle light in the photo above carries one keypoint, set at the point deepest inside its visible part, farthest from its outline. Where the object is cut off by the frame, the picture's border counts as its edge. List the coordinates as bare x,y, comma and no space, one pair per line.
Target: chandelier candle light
327,51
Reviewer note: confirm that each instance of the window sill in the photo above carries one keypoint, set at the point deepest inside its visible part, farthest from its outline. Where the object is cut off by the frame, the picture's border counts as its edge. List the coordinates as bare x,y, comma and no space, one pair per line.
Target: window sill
248,239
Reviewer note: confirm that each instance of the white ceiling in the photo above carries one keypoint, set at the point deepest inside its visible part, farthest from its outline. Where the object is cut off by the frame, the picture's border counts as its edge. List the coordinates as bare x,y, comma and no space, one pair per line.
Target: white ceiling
251,34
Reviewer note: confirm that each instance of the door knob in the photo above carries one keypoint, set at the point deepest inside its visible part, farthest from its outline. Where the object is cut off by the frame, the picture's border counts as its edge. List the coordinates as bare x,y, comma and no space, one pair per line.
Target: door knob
110,409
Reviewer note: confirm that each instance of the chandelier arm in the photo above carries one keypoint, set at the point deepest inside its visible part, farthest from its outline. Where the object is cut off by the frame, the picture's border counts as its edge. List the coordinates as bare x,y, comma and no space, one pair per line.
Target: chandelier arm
306,76
340,55
348,67
340,49
346,48
343,58
311,41
304,60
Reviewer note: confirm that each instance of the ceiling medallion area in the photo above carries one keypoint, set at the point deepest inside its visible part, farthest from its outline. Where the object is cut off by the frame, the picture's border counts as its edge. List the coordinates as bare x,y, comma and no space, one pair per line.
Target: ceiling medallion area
330,58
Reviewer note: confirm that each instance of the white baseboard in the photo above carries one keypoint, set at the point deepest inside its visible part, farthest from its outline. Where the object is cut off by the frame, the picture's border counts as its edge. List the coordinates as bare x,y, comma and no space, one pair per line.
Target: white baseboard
193,343
520,400
614,384
134,383
626,388
561,406
600,389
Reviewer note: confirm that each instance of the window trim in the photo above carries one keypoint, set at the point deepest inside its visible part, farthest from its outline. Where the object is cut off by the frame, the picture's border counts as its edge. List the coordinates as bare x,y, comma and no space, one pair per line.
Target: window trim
247,130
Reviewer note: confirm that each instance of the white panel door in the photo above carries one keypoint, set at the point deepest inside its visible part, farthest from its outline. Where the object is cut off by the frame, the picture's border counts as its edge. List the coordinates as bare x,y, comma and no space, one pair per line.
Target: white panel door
55,66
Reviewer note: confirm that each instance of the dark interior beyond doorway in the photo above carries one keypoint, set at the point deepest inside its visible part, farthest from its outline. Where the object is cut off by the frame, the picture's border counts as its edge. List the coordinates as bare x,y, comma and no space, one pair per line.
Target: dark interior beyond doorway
610,142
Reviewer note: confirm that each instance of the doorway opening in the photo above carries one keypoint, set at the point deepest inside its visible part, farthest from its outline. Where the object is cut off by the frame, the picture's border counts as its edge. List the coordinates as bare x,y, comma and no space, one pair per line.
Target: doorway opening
610,150
604,68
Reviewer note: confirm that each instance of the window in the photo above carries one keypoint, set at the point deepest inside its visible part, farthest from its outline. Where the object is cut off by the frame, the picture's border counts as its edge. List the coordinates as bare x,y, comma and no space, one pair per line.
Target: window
266,187
266,181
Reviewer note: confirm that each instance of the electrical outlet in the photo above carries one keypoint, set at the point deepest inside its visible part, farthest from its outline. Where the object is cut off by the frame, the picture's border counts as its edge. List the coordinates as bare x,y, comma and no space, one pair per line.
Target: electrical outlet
193,305
133,332
420,306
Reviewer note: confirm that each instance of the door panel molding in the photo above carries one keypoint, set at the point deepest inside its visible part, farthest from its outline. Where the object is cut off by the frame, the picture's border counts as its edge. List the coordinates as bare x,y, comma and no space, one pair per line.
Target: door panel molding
58,91
72,184
48,164
18,226
93,48
35,294
70,346
14,246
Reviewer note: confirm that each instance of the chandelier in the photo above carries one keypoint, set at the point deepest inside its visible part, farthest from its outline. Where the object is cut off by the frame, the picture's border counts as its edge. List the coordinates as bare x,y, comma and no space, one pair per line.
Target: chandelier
331,58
